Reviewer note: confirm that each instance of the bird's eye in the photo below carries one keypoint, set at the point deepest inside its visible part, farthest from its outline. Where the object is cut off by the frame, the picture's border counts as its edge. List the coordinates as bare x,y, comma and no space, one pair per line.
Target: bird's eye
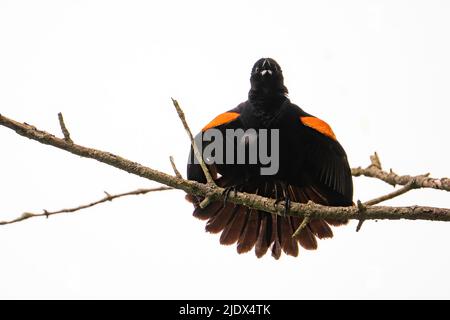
257,69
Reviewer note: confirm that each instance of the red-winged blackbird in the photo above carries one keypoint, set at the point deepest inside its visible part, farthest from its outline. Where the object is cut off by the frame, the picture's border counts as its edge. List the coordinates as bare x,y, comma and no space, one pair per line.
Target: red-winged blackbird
312,165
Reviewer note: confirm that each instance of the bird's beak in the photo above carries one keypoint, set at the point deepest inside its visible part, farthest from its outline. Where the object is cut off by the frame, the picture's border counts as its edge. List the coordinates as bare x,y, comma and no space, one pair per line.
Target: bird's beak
265,72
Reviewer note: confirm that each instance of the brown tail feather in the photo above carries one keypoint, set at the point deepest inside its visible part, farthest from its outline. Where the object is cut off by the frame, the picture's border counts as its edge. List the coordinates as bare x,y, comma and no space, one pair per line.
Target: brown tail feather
321,229
248,238
275,237
251,228
265,234
336,223
222,218
234,229
286,231
306,239
208,212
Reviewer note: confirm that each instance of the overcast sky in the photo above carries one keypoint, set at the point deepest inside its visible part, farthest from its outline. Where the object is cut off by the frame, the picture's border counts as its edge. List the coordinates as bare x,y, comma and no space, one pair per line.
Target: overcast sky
377,71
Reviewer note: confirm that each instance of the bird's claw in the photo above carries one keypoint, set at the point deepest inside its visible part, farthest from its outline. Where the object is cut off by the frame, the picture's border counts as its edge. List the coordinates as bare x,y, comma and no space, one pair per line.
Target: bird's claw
287,199
227,192
287,205
283,197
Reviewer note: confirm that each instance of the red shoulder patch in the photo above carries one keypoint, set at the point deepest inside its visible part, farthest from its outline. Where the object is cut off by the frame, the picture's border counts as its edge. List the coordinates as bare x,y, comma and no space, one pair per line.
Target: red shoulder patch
318,125
221,119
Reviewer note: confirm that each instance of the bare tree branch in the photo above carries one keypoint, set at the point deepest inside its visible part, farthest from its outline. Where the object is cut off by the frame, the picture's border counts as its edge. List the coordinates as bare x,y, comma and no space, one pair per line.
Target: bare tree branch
198,156
197,153
362,214
376,167
422,181
108,197
313,211
174,167
302,226
64,130
410,186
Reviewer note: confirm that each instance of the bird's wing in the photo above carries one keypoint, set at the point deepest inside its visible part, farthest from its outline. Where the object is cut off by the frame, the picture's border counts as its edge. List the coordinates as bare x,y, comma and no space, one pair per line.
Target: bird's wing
326,160
223,121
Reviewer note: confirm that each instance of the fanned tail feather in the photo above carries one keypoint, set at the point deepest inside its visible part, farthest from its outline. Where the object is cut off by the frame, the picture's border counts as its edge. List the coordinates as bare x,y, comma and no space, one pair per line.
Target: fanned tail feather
249,236
261,230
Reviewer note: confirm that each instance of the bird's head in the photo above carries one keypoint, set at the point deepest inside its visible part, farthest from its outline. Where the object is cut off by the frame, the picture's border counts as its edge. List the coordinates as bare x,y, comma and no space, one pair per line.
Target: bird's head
267,77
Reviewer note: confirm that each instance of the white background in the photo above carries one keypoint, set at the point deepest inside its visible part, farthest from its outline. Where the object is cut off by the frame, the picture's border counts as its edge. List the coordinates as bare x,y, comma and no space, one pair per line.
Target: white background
378,71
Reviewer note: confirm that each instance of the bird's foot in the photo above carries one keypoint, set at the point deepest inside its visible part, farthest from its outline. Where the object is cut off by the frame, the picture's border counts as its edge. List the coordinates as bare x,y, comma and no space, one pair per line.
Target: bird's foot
227,192
283,196
287,198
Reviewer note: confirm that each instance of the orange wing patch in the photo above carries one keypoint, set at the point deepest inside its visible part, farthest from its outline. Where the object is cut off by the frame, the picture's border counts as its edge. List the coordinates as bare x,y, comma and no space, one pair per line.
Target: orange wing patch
221,119
318,125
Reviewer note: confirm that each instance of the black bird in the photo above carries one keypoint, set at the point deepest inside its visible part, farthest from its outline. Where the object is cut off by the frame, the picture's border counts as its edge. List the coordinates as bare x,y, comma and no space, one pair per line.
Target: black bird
312,165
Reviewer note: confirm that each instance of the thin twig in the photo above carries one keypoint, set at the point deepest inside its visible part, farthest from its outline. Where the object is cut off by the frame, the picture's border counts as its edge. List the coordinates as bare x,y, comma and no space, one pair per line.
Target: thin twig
422,181
375,161
174,167
205,202
410,186
208,199
108,197
361,211
197,153
302,226
64,130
